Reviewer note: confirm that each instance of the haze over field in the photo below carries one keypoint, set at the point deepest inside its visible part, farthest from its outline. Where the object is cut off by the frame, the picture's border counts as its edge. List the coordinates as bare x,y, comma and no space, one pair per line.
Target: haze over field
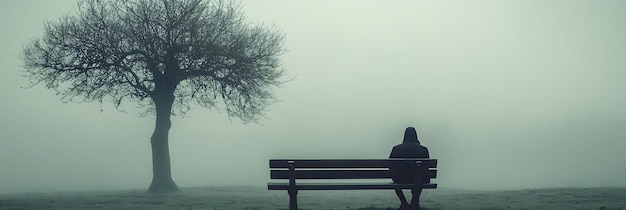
506,94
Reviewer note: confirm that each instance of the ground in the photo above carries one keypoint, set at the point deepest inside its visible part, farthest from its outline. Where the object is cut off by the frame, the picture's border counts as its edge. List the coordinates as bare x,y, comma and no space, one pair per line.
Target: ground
215,198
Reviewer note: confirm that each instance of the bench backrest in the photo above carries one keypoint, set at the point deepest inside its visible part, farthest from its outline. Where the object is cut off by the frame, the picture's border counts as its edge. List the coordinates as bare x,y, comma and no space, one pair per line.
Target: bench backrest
345,168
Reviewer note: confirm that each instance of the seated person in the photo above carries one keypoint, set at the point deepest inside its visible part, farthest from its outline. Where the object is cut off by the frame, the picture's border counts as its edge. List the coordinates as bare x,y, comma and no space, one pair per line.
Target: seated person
405,174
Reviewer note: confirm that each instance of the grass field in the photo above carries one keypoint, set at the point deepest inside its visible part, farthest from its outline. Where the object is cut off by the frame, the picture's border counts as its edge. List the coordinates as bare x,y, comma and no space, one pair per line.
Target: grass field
215,198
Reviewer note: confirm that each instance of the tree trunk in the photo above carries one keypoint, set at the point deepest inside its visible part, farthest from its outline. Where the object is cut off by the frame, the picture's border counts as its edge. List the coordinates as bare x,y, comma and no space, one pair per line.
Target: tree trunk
162,181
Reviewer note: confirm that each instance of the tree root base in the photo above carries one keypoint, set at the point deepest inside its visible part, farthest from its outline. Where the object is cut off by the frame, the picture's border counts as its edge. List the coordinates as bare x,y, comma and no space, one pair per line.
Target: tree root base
162,188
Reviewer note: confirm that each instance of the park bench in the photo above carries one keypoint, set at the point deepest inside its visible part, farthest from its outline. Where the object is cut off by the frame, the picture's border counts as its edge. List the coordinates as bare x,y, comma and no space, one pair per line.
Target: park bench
372,170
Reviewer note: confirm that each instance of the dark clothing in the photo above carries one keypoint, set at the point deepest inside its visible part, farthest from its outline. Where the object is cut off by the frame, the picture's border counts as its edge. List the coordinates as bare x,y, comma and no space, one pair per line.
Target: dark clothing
405,173
402,173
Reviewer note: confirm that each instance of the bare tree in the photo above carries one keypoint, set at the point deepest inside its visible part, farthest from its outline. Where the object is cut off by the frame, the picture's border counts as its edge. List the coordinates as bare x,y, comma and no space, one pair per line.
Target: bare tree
164,54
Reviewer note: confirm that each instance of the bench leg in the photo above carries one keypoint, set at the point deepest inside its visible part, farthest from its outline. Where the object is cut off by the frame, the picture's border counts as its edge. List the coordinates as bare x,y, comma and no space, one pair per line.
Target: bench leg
293,199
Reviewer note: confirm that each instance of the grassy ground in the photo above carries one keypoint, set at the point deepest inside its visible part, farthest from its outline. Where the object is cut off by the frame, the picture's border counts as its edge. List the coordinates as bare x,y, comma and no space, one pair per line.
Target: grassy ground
258,198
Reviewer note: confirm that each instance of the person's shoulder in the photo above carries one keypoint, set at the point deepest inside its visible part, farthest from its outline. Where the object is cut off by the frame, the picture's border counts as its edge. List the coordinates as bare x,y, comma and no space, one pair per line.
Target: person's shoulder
401,147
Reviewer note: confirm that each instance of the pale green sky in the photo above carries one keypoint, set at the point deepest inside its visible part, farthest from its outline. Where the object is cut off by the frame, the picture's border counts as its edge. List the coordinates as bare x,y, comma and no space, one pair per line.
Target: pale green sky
506,94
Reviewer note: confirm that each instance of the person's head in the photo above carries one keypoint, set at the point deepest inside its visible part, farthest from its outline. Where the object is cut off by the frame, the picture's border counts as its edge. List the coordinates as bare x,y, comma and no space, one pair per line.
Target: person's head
410,135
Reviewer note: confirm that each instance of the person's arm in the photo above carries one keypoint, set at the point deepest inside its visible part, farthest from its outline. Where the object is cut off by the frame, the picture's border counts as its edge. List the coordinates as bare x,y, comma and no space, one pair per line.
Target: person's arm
393,153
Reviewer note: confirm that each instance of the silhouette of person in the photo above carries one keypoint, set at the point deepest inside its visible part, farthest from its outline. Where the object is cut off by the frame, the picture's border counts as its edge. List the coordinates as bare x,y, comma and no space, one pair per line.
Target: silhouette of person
405,174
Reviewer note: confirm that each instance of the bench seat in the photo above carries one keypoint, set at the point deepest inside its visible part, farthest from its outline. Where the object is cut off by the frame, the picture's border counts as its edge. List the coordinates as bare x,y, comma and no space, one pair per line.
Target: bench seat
345,186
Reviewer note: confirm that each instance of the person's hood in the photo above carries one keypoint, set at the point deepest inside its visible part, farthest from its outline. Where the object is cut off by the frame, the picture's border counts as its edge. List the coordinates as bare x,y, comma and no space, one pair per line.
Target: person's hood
410,135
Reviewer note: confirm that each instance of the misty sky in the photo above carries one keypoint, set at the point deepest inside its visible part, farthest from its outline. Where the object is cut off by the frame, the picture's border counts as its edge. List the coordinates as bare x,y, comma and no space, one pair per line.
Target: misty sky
506,94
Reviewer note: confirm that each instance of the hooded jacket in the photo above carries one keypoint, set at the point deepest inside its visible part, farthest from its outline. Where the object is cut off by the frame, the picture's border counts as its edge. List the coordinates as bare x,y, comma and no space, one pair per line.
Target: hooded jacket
410,148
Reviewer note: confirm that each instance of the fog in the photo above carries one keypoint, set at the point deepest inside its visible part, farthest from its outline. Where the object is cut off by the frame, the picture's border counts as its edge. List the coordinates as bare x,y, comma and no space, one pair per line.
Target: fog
506,94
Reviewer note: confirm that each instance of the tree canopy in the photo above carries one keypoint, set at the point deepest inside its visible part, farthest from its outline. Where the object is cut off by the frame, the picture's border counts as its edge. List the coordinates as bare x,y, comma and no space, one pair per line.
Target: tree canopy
123,50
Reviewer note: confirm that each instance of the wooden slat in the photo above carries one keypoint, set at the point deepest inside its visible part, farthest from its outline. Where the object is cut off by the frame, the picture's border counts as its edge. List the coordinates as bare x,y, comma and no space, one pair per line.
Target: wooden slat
346,186
337,174
346,163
